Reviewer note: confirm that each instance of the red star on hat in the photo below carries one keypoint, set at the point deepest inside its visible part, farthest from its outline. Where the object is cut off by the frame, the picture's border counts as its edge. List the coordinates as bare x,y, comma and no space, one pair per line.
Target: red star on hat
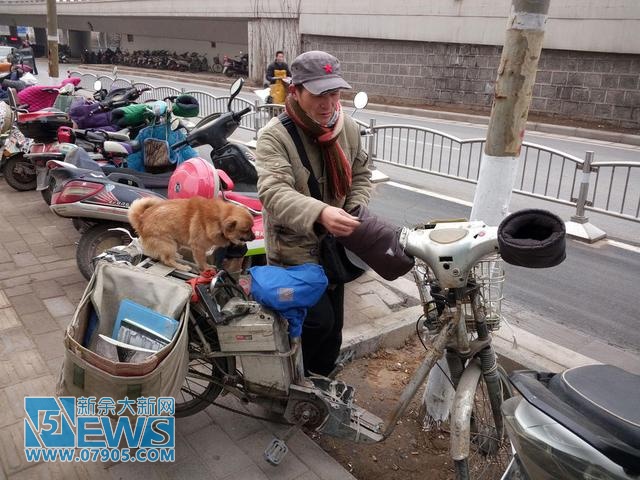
328,68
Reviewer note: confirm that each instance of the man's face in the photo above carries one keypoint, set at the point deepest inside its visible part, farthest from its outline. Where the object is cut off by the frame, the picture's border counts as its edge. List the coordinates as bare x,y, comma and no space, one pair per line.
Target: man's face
280,58
318,107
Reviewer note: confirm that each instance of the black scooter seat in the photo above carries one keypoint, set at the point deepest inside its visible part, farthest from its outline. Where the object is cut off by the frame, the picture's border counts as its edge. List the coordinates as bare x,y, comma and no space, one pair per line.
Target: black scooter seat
149,180
596,402
100,135
118,137
606,394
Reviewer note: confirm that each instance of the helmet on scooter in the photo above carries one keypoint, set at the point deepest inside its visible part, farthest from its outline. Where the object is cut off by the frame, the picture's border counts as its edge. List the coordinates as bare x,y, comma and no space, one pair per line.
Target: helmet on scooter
195,177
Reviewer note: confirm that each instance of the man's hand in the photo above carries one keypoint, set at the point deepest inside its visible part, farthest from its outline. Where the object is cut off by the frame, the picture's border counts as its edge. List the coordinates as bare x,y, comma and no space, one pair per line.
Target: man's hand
337,221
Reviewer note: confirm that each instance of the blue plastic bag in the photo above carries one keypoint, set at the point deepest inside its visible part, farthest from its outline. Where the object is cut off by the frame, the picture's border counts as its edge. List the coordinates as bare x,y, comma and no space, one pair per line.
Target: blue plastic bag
162,132
289,291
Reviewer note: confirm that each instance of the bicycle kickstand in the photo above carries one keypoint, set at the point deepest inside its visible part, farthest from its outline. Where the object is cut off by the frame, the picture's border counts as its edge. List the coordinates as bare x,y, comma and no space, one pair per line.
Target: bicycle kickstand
277,449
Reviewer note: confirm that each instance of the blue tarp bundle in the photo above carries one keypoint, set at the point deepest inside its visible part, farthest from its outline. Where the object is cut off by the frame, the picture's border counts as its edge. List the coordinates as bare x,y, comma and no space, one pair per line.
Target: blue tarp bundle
289,291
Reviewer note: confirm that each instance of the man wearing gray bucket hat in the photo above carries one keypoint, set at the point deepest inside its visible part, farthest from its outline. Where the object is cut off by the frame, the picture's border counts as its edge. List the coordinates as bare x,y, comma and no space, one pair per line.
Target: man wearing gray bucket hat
312,171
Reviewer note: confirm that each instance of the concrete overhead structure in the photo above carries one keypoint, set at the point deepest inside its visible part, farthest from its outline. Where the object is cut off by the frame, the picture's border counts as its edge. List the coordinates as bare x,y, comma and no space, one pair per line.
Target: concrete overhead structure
583,25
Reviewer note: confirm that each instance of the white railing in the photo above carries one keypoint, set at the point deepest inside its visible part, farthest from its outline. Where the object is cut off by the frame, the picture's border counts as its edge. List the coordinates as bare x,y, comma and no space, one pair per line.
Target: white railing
543,172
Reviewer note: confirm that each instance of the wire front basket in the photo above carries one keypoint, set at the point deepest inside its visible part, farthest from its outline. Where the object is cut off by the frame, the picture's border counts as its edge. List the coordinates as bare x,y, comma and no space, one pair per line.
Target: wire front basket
487,276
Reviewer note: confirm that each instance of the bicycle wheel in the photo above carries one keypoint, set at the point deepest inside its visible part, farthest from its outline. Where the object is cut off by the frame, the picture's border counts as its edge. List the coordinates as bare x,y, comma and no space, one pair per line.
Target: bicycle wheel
489,452
202,383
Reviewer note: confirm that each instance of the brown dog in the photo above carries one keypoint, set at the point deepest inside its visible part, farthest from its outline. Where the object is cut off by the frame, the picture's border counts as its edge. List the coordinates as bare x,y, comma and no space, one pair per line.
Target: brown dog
197,223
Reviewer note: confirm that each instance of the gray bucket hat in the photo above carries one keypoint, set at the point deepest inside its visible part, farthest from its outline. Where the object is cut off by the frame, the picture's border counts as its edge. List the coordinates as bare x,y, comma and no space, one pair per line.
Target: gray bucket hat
318,71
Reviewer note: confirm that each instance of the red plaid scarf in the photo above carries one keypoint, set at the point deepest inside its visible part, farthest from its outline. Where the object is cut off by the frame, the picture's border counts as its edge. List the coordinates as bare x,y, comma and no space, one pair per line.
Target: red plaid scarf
337,166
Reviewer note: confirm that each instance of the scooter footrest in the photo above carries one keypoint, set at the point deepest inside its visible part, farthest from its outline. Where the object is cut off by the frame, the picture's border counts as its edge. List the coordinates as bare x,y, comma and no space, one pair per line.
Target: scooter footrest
276,451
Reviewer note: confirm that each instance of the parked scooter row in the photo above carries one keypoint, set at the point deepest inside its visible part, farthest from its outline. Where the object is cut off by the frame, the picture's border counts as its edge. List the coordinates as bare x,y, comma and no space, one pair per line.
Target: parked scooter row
157,59
42,133
98,197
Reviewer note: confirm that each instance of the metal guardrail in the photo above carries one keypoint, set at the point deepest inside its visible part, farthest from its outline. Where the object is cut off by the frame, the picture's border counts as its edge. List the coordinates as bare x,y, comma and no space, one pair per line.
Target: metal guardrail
263,113
612,177
544,172
208,103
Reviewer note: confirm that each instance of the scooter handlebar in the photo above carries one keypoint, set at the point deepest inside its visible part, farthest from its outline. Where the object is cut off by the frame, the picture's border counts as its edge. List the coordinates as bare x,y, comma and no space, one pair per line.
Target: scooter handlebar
241,113
179,144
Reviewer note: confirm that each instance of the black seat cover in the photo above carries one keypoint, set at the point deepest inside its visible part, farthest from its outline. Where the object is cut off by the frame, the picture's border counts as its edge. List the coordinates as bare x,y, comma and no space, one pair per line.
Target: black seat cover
118,136
605,394
150,180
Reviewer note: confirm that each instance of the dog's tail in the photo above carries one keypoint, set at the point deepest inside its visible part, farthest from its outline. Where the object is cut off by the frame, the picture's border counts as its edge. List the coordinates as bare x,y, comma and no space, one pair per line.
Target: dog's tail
137,209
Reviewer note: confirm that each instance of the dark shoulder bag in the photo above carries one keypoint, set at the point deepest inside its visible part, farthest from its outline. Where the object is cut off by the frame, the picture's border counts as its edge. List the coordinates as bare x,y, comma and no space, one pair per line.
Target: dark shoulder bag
333,257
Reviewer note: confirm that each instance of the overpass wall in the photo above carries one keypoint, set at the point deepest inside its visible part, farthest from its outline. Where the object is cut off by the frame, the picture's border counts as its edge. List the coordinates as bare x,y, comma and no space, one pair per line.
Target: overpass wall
572,85
579,25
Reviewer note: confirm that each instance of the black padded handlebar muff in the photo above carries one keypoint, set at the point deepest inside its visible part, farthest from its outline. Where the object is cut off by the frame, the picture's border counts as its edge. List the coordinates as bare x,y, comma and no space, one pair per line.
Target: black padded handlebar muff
186,106
532,238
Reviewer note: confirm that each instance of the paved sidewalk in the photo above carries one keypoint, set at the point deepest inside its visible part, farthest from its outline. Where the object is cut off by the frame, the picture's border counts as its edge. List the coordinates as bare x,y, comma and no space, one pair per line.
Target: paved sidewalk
39,288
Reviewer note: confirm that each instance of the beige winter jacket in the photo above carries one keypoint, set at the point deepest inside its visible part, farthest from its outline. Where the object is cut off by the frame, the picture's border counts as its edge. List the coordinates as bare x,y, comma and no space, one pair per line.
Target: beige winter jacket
289,210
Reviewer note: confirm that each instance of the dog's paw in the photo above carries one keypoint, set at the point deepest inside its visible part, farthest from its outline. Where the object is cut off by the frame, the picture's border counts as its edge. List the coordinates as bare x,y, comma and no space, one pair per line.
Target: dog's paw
184,268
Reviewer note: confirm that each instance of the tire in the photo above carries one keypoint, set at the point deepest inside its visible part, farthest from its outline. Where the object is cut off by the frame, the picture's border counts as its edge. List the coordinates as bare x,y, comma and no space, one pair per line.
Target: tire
82,225
202,383
95,241
228,72
47,193
20,174
489,453
217,68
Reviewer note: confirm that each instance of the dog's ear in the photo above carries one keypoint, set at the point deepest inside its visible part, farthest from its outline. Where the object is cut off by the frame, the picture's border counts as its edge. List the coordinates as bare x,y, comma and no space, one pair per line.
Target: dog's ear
229,224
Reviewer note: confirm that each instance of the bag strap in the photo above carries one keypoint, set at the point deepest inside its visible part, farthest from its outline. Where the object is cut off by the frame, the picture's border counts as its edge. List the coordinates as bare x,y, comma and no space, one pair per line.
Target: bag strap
287,123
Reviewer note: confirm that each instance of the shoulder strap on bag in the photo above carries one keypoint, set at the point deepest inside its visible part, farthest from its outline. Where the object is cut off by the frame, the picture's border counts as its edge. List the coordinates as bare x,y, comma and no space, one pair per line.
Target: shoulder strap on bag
287,123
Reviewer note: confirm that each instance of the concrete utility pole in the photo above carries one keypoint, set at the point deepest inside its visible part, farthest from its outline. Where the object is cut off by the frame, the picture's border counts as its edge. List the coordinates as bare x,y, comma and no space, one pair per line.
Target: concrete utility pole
516,76
52,37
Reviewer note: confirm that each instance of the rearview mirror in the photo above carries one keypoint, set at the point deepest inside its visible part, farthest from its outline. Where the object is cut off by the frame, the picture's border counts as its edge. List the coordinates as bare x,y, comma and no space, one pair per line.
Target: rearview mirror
234,90
175,124
360,100
97,85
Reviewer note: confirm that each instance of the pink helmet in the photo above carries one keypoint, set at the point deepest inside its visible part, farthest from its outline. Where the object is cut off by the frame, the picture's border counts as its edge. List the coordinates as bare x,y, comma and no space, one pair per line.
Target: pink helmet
193,178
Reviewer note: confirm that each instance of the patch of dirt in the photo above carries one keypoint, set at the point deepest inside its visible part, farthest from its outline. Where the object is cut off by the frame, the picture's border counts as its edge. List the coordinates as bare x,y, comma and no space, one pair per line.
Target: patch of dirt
412,452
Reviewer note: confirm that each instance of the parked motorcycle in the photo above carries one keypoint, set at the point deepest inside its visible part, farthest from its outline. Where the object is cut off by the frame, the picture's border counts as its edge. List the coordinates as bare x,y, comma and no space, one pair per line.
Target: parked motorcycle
236,65
581,423
35,139
33,132
39,97
98,198
105,148
17,79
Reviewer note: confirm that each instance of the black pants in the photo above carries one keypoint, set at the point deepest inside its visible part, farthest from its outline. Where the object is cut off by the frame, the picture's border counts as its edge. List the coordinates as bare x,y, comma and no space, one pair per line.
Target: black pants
322,332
